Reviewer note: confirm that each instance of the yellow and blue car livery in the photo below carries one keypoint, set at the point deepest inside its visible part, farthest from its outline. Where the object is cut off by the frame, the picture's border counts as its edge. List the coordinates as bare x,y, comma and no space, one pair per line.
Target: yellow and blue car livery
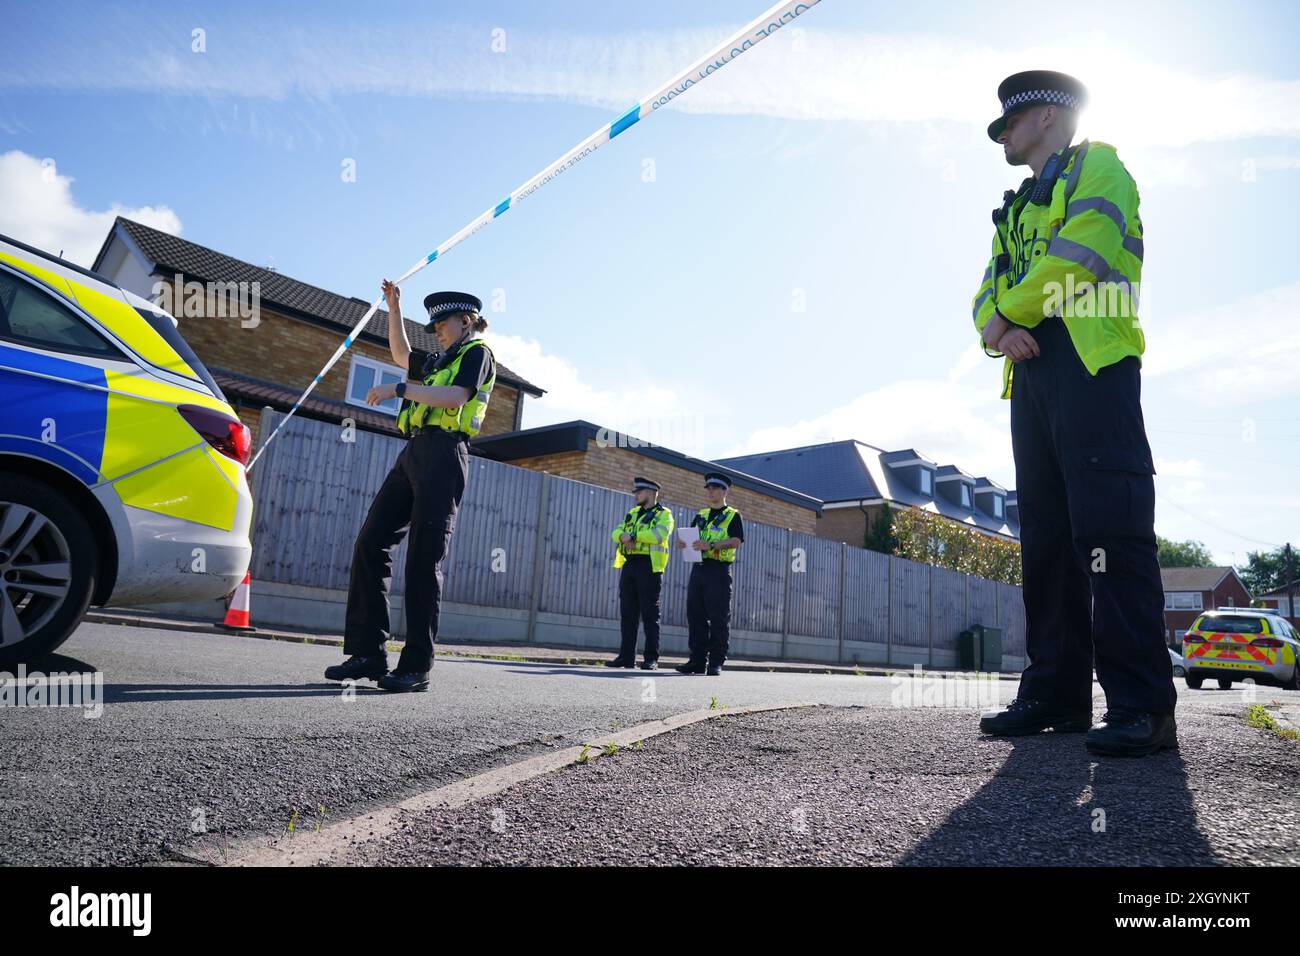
133,429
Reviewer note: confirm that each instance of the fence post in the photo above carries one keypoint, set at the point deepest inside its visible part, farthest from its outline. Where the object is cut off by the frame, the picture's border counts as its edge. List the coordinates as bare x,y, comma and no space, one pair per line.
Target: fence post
930,622
785,604
844,583
539,558
889,613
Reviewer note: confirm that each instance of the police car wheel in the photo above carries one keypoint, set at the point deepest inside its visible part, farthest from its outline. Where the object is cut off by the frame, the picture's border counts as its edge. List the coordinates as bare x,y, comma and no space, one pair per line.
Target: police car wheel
1294,682
47,569
1225,684
1194,682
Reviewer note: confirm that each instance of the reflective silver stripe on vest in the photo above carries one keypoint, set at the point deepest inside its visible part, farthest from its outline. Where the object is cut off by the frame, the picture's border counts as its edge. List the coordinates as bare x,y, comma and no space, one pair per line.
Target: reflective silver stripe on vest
1079,254
1103,206
975,312
988,274
1134,245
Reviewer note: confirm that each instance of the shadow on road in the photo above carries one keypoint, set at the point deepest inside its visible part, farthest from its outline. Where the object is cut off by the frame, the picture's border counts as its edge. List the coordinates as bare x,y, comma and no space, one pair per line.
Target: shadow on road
1053,804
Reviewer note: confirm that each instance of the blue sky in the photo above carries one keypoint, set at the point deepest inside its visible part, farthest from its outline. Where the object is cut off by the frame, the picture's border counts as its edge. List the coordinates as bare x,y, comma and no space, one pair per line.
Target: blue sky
799,266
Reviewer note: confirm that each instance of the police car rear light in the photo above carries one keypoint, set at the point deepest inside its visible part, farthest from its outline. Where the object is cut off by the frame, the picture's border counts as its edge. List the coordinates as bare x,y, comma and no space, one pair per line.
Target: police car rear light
227,435
1266,642
1193,639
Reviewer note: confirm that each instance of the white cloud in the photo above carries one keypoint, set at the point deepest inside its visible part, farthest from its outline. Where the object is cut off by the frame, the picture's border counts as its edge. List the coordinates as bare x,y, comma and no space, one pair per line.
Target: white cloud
1262,363
37,207
644,409
963,425
1136,101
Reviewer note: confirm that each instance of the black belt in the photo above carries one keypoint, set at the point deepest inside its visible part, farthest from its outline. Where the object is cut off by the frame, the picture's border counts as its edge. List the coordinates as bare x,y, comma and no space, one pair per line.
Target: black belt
458,436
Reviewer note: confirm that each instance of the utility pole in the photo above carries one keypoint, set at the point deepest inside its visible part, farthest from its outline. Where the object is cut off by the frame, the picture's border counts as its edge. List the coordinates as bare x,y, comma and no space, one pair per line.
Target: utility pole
1290,585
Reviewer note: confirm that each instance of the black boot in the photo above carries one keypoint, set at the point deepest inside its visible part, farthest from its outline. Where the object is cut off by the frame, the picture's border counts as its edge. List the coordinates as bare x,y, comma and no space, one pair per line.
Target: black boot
358,668
695,665
1131,733
650,664
621,661
405,681
715,666
1030,716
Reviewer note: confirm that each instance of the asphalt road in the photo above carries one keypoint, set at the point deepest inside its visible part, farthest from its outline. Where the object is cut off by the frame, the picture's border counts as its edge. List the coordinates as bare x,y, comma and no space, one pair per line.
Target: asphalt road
240,734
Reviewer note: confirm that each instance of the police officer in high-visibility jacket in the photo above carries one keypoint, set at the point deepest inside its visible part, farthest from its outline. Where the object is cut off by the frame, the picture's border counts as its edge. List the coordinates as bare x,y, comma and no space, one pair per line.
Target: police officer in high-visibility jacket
708,593
642,552
422,493
1059,301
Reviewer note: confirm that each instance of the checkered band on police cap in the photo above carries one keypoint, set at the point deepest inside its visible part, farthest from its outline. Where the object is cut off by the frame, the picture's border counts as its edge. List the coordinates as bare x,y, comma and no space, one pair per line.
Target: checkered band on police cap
1058,97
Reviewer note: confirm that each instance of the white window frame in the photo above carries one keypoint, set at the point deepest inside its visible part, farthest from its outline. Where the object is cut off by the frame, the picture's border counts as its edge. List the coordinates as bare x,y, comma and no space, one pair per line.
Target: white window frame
927,482
1195,601
999,510
376,366
965,495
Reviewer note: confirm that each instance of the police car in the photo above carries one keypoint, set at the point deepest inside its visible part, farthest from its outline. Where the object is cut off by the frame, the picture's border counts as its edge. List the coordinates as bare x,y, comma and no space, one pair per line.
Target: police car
1235,644
121,464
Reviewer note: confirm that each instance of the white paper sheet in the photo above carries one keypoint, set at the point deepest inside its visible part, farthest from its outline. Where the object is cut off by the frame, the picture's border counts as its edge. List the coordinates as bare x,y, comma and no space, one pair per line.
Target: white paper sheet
689,554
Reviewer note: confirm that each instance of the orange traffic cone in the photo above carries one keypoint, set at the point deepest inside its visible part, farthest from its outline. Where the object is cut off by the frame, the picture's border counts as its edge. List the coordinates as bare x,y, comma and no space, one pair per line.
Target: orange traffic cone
237,611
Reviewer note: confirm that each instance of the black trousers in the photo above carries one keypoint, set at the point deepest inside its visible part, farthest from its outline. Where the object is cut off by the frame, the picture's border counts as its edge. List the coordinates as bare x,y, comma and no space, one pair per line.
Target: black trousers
708,611
638,601
420,496
1092,588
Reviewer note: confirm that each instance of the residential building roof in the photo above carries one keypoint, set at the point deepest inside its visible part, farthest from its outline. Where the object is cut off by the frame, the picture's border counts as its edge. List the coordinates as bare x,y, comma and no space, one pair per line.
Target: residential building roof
170,253
1194,579
576,436
854,472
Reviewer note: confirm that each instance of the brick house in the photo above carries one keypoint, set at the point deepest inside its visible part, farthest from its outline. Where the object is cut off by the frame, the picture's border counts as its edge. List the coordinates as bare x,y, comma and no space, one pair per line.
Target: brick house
586,452
1189,591
298,326
855,480
1285,600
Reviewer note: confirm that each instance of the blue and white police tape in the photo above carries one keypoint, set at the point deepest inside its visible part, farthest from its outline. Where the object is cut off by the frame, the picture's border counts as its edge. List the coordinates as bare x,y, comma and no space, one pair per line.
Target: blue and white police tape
782,14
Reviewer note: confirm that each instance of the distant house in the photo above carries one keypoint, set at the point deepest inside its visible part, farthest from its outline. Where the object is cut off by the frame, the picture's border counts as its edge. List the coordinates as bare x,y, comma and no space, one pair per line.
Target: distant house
1189,591
855,480
298,326
587,452
1286,600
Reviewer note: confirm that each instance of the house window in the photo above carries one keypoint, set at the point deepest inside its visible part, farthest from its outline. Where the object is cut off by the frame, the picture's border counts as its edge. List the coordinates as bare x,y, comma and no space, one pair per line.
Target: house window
1183,601
927,482
365,374
997,506
965,496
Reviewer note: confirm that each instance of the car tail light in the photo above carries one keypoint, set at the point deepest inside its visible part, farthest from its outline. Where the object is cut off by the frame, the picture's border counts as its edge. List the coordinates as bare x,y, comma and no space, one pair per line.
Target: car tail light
1266,642
227,435
1193,639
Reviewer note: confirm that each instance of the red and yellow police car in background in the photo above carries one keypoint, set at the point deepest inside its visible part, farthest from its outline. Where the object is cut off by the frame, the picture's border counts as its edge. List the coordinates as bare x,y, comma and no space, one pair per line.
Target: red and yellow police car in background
1237,643
121,464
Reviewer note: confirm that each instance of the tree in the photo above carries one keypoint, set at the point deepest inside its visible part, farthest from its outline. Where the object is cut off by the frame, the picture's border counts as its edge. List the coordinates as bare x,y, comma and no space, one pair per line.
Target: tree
1183,554
880,532
1266,570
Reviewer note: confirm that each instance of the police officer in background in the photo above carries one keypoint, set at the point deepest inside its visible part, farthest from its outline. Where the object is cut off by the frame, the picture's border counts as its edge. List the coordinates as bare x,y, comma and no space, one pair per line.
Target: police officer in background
708,593
642,541
422,493
1059,301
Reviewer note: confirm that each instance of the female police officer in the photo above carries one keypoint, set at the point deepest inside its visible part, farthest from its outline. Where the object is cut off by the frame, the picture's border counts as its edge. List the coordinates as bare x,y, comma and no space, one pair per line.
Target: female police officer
422,492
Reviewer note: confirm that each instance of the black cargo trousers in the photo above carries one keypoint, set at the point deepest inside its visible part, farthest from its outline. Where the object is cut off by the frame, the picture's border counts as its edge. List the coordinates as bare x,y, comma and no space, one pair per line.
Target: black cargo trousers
1087,513
420,496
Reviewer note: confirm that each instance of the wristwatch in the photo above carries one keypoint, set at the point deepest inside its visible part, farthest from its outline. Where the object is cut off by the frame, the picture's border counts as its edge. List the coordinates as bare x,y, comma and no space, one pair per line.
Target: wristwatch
400,390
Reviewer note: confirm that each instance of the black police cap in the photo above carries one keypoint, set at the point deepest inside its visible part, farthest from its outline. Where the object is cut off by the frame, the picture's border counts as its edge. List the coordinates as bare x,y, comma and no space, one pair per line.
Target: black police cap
717,478
439,305
1022,90
644,483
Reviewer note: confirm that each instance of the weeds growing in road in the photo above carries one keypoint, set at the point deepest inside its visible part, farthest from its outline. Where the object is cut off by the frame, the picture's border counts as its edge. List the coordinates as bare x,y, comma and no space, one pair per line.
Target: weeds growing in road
610,749
585,756
1257,716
